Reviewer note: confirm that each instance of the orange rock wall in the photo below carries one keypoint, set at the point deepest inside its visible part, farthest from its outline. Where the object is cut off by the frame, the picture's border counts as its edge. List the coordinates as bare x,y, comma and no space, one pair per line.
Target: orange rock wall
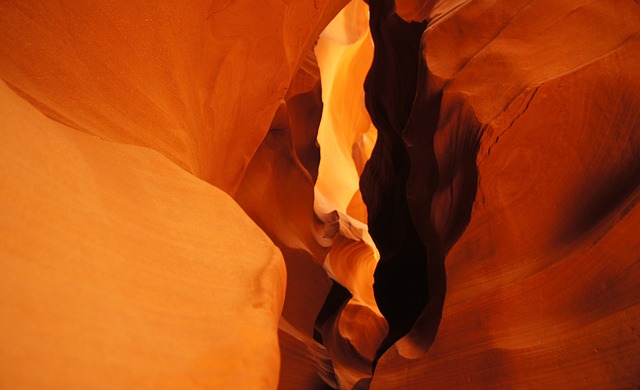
327,193
143,233
112,277
531,197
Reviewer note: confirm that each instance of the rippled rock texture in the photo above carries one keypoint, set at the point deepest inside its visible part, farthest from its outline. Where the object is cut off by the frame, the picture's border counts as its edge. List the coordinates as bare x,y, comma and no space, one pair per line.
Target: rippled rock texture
320,194
523,147
122,263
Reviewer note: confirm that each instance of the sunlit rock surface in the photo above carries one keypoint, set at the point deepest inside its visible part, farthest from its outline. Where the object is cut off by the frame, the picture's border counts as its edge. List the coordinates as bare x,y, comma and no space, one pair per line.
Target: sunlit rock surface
167,75
320,193
190,290
119,269
306,199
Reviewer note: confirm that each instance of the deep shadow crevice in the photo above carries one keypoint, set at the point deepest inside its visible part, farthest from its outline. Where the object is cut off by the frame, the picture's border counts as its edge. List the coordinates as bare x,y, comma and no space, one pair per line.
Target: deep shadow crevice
401,279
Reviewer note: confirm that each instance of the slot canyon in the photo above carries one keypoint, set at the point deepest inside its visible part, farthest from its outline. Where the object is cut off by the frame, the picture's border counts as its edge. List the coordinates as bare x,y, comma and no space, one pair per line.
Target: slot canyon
318,194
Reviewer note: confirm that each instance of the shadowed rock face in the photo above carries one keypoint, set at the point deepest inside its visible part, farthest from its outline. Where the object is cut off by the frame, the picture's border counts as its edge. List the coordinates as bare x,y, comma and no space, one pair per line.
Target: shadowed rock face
524,117
320,194
401,286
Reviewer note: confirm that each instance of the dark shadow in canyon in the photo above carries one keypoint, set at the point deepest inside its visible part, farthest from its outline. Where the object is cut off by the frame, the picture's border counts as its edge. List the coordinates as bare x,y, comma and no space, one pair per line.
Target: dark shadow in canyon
401,280
336,299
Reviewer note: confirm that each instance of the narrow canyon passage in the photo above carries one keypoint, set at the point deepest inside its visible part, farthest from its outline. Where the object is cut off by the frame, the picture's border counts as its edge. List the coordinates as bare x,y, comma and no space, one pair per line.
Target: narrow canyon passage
312,194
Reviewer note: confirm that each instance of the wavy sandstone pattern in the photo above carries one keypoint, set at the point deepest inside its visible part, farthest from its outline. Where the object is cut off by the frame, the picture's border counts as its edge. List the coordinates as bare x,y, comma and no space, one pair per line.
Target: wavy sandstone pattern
534,208
320,193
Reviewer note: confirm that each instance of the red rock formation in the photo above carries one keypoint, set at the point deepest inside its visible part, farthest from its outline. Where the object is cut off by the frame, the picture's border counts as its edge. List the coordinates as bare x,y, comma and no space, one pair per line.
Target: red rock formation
200,83
159,162
183,68
531,177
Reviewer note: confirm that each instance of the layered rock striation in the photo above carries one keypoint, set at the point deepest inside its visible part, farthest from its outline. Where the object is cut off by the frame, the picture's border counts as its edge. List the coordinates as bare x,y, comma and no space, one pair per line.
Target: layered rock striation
327,193
523,149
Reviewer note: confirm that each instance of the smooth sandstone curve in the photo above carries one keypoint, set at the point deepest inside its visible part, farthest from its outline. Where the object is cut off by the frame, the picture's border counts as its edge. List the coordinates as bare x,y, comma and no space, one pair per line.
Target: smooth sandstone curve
120,269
